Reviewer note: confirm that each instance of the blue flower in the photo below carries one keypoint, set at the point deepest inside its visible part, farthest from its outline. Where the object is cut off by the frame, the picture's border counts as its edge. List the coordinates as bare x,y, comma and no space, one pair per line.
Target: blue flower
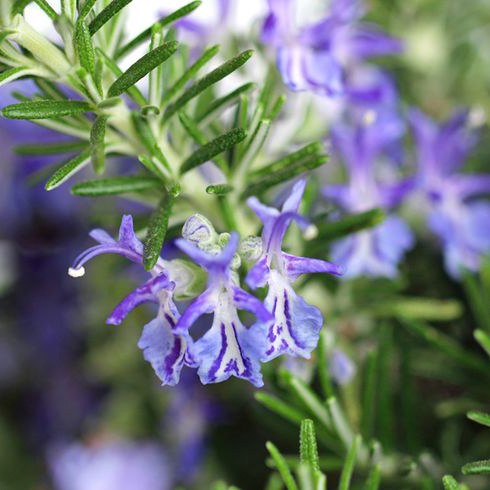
296,326
375,252
315,56
110,464
166,350
340,367
228,347
460,221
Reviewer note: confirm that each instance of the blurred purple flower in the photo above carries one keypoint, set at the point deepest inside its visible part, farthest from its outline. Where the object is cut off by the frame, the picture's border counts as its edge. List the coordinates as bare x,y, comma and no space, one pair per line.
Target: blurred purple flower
296,325
375,252
340,367
316,56
166,350
110,465
461,223
227,348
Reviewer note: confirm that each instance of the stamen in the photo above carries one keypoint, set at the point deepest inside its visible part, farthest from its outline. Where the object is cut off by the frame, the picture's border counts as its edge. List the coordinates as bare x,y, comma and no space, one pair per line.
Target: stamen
76,272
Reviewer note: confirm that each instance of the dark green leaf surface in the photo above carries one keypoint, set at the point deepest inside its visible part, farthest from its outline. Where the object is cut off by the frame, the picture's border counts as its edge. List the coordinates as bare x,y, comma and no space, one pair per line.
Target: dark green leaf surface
157,229
225,101
70,168
163,22
45,109
349,224
115,185
210,79
219,189
97,135
85,10
477,468
267,181
142,67
50,148
107,14
84,46
213,148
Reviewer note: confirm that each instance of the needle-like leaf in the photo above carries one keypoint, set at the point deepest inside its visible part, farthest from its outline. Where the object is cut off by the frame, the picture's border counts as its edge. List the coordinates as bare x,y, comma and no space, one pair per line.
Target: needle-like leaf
115,185
45,109
142,67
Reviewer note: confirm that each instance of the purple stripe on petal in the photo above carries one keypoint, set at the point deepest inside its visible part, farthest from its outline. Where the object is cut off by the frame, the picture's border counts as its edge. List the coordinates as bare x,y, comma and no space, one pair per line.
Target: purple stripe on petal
204,303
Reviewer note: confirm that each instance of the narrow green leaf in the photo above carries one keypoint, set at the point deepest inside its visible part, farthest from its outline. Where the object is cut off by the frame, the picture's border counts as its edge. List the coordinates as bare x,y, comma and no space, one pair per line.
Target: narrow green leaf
267,181
349,224
297,156
384,391
84,47
480,417
50,148
369,394
374,478
308,447
282,466
225,101
107,14
133,91
322,362
163,22
85,10
419,308
447,345
276,108
213,148
18,6
192,129
97,136
450,483
476,468
48,9
12,74
142,67
45,109
350,461
478,299
190,73
157,229
219,189
483,339
308,397
210,79
274,482
278,406
339,421
148,138
69,169
115,185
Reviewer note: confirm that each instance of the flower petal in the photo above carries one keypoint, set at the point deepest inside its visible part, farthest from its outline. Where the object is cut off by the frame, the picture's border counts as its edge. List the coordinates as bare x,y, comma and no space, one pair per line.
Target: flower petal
144,294
258,275
163,349
245,301
296,326
296,266
204,303
127,236
225,351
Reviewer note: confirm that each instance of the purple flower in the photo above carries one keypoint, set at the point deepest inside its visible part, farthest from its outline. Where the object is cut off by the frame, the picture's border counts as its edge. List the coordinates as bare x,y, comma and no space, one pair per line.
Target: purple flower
315,57
296,326
166,350
108,465
460,221
227,348
375,252
340,367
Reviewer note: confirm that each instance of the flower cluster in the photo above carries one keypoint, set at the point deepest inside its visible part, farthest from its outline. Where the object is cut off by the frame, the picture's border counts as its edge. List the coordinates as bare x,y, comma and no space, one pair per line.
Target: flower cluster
316,57
285,323
461,222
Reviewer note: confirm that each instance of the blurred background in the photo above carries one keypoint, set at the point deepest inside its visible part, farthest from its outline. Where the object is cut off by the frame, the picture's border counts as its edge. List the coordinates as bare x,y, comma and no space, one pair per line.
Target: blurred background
79,402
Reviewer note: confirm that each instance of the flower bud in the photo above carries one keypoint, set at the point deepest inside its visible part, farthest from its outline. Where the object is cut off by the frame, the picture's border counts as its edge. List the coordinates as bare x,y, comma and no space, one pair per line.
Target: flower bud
199,230
250,248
